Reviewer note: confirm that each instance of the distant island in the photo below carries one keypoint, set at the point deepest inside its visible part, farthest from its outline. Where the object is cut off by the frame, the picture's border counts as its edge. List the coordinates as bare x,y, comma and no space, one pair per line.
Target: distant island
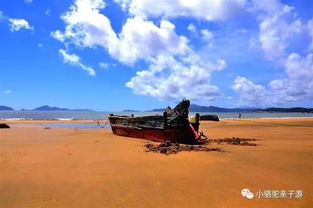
131,110
6,108
44,108
48,108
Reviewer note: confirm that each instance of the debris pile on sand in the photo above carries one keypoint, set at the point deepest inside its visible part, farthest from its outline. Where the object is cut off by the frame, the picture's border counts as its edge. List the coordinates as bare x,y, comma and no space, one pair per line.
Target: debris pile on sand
173,148
203,145
234,141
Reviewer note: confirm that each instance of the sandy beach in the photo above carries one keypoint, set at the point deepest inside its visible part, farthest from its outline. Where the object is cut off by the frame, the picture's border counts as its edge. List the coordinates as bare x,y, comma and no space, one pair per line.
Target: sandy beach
63,167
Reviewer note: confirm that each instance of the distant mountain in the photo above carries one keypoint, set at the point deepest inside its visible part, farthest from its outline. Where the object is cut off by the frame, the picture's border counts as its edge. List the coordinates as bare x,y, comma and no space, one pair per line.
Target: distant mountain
48,108
198,108
6,108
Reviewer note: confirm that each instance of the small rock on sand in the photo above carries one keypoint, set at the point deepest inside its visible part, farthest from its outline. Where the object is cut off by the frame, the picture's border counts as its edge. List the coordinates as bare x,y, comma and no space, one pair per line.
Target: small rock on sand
4,126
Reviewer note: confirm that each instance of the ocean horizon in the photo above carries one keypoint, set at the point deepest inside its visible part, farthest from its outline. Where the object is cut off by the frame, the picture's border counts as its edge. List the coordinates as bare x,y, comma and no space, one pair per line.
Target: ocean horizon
102,115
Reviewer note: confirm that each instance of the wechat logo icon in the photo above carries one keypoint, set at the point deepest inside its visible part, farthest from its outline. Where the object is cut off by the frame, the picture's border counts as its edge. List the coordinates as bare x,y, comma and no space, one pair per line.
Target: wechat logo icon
247,193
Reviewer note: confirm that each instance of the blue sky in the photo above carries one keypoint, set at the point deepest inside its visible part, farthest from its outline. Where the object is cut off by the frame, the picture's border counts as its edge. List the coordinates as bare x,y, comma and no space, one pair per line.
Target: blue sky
124,54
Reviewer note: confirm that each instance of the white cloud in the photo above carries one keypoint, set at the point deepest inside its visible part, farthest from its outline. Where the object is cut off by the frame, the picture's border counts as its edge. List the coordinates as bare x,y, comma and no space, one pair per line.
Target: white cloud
280,32
17,24
298,84
174,69
299,81
139,39
69,58
7,91
58,35
28,1
202,9
142,39
75,60
170,78
268,6
192,28
123,3
207,36
277,32
103,65
250,93
85,26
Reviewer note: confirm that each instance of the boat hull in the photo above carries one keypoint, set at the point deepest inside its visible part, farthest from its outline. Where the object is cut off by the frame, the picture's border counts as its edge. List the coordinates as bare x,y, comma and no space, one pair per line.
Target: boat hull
187,134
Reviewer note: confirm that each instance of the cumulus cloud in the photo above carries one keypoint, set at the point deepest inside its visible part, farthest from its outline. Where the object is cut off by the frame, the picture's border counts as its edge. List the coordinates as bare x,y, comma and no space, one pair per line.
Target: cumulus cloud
169,78
17,24
174,69
142,39
277,31
297,85
73,59
280,31
139,39
85,26
299,81
250,93
202,9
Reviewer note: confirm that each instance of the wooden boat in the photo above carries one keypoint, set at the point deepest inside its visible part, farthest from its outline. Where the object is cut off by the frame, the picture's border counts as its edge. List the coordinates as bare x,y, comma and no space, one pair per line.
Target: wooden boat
173,125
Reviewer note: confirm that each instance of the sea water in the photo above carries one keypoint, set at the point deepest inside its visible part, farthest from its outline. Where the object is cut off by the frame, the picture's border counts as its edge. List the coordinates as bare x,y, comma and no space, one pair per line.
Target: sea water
98,115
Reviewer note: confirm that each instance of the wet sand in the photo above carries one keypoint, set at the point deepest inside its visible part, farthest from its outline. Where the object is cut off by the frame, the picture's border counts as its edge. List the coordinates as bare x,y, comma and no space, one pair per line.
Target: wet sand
61,167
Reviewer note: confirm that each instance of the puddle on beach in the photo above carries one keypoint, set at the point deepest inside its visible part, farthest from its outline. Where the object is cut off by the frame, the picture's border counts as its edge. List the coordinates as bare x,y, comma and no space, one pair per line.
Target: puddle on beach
75,125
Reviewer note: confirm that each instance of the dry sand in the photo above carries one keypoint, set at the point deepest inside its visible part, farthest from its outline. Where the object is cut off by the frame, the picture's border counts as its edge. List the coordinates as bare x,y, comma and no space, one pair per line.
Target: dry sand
67,168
